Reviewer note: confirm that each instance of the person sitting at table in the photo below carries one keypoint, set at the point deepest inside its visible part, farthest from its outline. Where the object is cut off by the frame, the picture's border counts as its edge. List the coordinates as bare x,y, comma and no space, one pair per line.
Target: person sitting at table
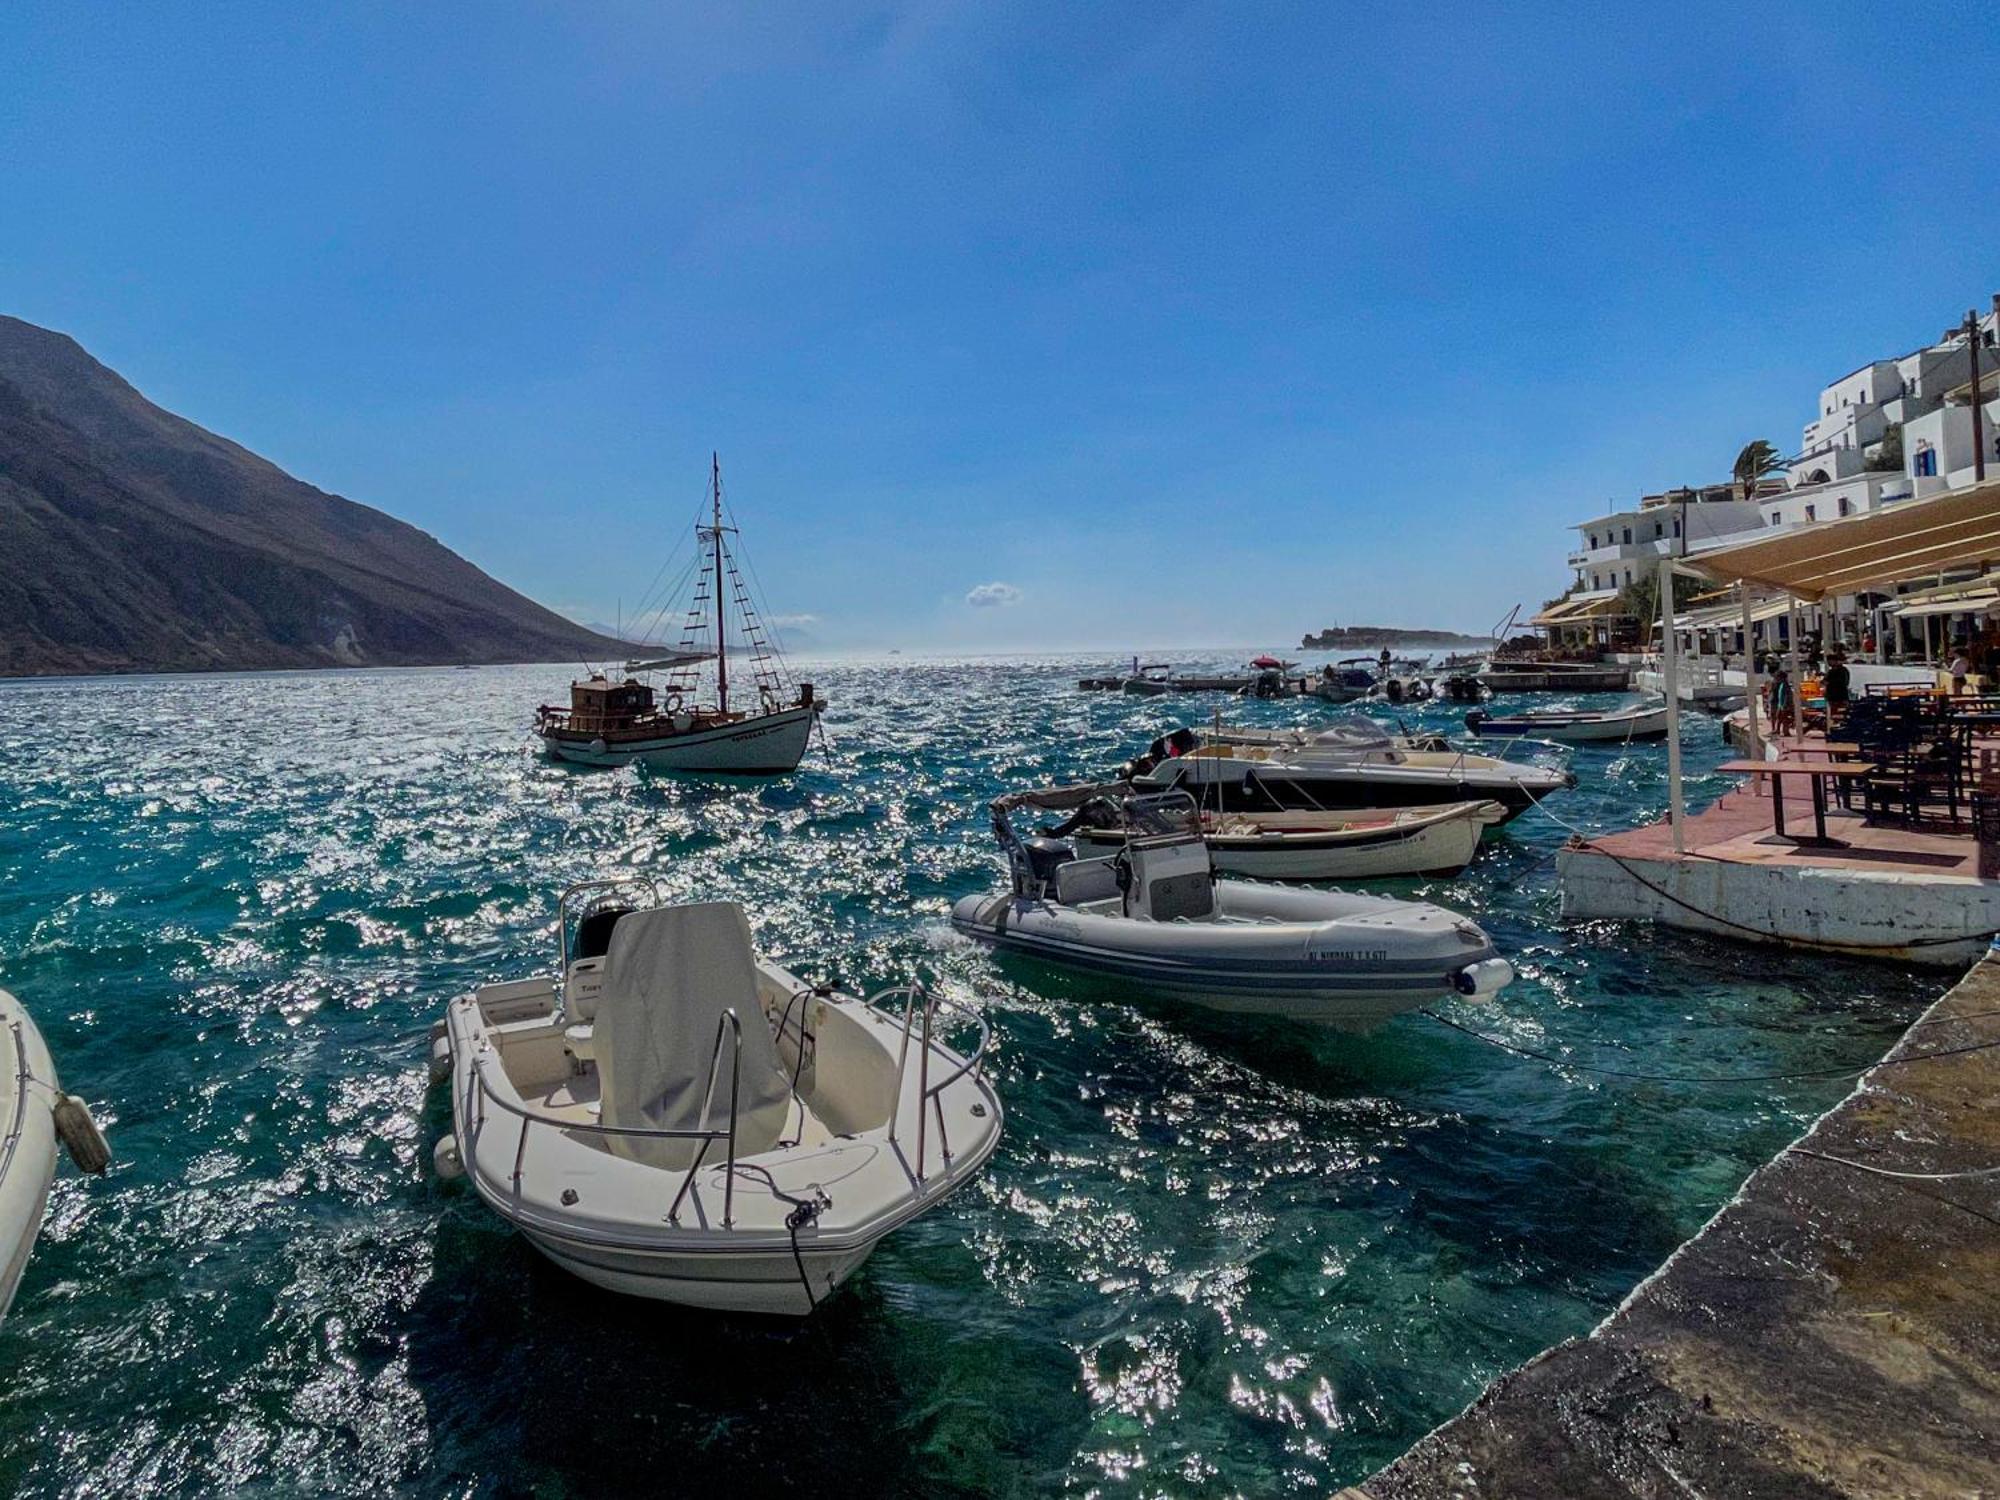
1835,686
1780,703
1960,668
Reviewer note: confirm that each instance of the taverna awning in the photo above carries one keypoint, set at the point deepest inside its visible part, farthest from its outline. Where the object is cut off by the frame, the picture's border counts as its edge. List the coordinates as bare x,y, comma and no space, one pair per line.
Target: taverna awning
1969,596
1576,611
1730,616
1911,539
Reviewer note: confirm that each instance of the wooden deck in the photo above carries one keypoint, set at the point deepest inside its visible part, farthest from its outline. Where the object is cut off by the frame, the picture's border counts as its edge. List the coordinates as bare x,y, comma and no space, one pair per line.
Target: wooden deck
1737,828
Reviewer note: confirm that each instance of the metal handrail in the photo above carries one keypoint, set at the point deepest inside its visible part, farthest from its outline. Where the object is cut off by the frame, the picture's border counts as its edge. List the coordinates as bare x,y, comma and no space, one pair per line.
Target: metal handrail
927,1092
707,1135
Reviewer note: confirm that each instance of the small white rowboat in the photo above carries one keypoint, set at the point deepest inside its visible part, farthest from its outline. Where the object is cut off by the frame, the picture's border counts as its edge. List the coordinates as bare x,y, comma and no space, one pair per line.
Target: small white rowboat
1354,844
1582,727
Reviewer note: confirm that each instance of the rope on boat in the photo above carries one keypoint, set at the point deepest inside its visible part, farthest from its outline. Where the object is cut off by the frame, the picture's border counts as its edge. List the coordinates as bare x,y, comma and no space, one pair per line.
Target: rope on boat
804,1211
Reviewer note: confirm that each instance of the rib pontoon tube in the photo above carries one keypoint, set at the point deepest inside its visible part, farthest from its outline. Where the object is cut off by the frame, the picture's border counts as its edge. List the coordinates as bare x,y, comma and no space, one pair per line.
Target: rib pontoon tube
1155,914
675,1118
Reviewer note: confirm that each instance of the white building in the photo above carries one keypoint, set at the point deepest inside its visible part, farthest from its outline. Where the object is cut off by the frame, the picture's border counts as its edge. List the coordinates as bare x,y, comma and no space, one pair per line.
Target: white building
1846,466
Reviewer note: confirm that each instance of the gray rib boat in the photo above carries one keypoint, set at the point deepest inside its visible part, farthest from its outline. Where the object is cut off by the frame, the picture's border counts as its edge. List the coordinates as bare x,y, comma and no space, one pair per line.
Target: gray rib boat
1155,913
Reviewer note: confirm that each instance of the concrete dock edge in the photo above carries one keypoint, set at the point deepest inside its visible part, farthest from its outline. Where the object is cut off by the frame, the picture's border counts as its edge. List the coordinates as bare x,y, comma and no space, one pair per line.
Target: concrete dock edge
1830,1332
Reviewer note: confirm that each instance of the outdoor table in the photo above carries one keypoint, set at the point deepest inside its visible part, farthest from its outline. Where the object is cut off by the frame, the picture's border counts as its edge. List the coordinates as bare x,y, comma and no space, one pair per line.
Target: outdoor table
1815,770
1834,748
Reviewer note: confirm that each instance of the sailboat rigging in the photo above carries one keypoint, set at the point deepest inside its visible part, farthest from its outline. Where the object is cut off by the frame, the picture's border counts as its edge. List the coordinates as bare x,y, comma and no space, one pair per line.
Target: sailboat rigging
629,722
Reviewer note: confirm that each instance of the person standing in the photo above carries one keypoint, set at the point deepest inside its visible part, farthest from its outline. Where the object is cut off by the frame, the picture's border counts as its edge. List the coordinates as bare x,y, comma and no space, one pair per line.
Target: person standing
1836,686
1960,668
1782,703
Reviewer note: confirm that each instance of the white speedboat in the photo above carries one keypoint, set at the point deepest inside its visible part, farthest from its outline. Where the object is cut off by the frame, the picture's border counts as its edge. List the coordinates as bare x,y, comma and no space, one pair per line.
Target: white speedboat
1230,771
1355,844
673,1117
1154,913
34,1114
1645,721
625,722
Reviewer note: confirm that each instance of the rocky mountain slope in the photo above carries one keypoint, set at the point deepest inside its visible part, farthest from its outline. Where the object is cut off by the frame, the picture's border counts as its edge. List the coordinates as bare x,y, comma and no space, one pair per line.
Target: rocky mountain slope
133,540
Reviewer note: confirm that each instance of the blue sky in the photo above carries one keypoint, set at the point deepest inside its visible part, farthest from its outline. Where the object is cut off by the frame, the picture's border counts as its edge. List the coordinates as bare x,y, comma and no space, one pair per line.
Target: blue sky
1185,323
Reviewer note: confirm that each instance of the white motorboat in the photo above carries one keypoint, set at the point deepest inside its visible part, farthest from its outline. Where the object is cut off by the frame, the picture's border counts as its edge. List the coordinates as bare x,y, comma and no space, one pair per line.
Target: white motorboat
630,722
1353,844
1355,765
673,1117
1645,721
34,1114
1343,682
1154,913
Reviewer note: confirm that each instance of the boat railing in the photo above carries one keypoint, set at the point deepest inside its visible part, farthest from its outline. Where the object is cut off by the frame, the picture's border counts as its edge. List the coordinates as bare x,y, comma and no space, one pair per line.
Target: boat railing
23,1076
920,1005
726,1026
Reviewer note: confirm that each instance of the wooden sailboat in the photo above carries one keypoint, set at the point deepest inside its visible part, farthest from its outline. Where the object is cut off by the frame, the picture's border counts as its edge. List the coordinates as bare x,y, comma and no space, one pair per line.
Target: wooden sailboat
617,723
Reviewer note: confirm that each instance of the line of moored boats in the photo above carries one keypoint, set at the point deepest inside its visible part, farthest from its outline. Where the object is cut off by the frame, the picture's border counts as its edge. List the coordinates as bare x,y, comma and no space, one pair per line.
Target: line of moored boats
670,1114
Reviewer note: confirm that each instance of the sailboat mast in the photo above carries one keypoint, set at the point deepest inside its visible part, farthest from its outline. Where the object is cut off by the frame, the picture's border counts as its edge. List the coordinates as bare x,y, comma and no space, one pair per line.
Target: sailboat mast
721,649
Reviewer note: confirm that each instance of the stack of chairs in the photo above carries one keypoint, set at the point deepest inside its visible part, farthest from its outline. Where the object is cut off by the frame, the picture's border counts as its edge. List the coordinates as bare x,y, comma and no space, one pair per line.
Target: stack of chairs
1919,758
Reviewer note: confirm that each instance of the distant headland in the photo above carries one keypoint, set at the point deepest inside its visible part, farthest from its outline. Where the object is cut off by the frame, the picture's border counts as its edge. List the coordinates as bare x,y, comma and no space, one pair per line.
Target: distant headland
1341,637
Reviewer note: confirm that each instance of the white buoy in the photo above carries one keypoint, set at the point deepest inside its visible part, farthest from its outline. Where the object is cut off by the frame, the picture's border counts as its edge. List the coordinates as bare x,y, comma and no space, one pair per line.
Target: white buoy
445,1160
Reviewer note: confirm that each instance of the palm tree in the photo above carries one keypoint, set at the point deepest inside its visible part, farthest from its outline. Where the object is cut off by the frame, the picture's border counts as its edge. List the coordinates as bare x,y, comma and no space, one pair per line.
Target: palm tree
1753,463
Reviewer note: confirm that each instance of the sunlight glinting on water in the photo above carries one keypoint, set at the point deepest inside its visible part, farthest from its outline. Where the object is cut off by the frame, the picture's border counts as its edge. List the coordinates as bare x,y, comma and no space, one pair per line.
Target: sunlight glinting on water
1212,1255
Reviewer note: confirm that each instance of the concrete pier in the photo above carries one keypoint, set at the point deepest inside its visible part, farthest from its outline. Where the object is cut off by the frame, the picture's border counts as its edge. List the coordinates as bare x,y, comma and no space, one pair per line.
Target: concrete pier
1883,890
1831,1332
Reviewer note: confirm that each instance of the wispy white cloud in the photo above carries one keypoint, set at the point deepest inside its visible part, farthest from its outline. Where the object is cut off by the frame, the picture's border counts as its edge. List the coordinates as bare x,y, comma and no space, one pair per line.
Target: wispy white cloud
791,622
994,595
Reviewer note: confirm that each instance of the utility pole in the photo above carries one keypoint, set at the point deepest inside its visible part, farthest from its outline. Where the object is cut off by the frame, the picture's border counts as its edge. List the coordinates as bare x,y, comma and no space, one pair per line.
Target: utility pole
1978,441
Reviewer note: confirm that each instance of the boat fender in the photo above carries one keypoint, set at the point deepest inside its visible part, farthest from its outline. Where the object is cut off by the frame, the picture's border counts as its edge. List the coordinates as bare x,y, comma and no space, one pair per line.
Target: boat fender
446,1160
1487,977
597,747
80,1136
440,1053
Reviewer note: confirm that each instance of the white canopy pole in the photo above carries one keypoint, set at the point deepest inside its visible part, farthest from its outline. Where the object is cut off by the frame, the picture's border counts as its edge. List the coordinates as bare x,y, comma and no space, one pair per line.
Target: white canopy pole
1670,675
1750,673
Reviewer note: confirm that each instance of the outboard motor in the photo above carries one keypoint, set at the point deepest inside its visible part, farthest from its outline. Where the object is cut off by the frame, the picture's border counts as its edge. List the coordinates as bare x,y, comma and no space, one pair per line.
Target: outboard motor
1043,856
1474,719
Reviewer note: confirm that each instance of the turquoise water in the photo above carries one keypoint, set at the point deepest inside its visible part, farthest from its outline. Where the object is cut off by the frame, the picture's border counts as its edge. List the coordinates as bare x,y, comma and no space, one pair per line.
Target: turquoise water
1210,1257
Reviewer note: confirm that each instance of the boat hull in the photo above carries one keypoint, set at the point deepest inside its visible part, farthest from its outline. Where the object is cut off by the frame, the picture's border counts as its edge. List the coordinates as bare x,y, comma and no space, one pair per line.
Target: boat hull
1337,973
1439,846
27,1140
1579,729
744,1281
768,745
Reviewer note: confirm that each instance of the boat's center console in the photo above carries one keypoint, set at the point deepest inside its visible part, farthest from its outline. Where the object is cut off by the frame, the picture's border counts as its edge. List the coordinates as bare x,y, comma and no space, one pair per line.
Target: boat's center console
1169,879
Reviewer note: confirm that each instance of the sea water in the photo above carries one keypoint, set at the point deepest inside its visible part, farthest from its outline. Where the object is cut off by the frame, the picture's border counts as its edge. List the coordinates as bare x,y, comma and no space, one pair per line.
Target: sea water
1212,1255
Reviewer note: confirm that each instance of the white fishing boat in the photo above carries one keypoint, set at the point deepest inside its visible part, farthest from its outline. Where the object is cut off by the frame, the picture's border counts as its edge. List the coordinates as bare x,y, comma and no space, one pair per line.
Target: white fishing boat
1154,913
35,1114
1355,764
673,1117
1353,844
629,721
1645,721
